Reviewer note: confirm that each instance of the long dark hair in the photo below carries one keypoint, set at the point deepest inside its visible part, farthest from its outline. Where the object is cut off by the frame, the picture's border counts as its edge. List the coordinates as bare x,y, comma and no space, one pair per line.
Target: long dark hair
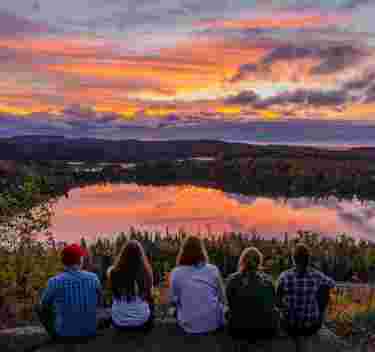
131,269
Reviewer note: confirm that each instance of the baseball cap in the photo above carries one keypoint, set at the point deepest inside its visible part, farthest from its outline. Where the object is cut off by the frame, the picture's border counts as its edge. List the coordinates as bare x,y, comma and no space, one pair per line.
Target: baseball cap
71,254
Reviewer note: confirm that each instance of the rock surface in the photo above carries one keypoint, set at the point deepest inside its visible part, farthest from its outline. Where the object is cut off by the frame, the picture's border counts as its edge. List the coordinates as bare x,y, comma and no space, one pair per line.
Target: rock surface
22,339
164,337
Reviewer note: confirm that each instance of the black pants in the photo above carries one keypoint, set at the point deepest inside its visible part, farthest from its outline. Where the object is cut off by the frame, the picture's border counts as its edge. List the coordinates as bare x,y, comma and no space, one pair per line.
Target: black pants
251,335
294,330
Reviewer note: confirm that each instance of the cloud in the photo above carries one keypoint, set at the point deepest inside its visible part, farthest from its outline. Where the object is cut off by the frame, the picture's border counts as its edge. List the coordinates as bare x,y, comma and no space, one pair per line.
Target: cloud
362,82
243,71
309,97
338,58
288,52
370,94
352,4
282,20
322,61
362,87
12,25
242,98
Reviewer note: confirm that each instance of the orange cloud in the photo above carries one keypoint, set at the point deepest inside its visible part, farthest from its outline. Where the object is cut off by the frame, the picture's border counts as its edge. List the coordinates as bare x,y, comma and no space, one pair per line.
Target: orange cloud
274,22
200,65
229,110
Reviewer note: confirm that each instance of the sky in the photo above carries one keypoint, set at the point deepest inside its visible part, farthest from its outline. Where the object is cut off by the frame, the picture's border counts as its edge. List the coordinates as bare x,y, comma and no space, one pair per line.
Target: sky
203,210
110,68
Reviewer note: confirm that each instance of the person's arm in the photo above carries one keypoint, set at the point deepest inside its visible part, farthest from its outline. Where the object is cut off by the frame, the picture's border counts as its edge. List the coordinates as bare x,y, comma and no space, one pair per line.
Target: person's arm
173,289
230,292
221,289
99,292
327,281
48,295
280,292
149,286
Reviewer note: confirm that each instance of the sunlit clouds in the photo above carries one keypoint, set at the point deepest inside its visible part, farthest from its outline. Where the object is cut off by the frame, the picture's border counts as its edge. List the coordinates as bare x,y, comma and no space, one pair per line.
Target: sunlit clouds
174,61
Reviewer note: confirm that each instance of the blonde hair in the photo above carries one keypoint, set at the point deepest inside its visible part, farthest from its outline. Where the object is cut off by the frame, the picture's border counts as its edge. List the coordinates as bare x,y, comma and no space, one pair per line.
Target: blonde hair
251,259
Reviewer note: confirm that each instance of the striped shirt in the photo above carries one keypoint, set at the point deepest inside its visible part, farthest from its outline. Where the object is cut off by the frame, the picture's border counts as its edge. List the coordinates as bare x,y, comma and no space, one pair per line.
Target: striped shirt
74,296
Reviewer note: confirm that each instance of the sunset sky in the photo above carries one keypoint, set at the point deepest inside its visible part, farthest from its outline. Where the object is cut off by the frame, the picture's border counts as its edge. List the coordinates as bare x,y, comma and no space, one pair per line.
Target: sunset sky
99,67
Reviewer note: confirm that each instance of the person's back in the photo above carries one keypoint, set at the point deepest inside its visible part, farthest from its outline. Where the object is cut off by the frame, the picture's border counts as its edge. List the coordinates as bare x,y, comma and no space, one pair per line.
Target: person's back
251,299
68,304
300,293
196,293
303,294
197,289
131,281
251,294
73,295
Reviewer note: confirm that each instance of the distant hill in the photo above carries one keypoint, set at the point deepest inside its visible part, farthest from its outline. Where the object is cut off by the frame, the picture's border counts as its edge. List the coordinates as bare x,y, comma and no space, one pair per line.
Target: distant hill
59,148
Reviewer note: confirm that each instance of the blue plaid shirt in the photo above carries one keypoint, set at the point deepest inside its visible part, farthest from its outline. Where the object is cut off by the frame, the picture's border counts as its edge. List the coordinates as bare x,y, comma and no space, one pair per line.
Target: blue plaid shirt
74,295
300,294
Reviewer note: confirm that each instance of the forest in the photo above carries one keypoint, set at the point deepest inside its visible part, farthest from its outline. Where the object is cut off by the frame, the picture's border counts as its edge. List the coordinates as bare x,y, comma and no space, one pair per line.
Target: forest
29,253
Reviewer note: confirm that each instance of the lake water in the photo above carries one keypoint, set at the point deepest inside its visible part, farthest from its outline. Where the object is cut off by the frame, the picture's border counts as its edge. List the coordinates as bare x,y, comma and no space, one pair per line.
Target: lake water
106,210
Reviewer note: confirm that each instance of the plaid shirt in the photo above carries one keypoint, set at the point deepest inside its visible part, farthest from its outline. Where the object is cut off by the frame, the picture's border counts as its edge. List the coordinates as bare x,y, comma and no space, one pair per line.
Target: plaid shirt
299,293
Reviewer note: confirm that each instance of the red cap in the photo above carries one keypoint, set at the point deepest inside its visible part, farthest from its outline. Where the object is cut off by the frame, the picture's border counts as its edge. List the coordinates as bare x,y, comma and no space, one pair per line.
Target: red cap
71,254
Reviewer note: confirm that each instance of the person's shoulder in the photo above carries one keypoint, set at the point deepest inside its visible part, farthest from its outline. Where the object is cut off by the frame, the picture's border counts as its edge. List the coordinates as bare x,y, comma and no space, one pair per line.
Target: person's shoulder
316,273
211,267
89,275
266,278
54,279
178,269
323,277
287,274
234,277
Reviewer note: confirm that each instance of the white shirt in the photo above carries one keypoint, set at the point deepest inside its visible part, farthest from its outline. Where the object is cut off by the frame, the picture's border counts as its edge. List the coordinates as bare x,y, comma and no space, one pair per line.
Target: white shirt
125,313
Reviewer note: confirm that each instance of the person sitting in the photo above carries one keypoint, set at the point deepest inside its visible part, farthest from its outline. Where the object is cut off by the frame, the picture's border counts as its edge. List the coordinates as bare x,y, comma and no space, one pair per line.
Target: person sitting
303,296
131,281
68,304
197,290
252,299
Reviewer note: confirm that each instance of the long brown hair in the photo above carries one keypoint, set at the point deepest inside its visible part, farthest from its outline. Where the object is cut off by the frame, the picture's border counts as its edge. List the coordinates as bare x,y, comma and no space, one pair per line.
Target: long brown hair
131,268
192,252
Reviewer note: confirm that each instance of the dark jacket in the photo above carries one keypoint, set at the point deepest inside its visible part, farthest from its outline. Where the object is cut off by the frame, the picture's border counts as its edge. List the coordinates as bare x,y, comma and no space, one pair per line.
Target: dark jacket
252,302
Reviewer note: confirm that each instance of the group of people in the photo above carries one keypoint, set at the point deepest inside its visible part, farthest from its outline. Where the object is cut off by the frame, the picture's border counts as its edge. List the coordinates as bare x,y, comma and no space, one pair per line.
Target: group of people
248,305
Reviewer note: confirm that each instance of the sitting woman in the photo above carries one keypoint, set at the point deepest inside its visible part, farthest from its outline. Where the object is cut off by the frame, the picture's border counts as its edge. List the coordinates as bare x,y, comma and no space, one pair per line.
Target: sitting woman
131,281
251,299
197,290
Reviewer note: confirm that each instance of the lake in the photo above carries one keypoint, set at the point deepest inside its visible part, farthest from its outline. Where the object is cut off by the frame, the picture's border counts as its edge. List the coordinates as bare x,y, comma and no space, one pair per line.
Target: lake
104,210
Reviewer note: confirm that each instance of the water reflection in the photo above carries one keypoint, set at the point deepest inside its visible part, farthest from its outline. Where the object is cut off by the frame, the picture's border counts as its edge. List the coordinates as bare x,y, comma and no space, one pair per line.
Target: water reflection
110,209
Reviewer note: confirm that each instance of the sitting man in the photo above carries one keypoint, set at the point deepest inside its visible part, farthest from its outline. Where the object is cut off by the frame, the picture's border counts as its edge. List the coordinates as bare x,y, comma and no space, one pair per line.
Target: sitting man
303,295
68,305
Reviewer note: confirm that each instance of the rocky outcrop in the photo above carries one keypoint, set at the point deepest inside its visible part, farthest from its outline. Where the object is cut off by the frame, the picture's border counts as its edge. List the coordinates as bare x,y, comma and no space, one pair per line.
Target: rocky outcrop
24,339
166,336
